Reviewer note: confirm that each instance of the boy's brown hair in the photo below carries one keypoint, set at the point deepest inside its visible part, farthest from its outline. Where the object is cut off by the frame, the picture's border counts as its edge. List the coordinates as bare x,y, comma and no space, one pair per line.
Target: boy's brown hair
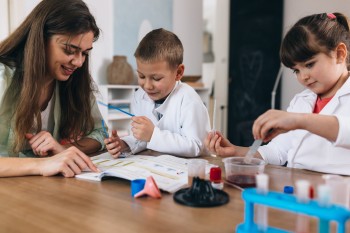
160,45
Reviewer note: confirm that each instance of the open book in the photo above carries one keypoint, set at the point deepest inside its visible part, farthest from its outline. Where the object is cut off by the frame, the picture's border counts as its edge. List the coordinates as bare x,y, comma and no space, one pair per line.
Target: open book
169,172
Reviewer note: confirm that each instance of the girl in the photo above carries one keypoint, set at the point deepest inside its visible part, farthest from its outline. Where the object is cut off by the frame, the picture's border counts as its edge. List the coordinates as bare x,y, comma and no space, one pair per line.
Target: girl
317,120
46,92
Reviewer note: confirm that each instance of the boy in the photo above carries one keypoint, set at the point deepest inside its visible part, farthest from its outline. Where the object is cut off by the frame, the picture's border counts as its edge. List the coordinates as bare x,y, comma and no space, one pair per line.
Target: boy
170,117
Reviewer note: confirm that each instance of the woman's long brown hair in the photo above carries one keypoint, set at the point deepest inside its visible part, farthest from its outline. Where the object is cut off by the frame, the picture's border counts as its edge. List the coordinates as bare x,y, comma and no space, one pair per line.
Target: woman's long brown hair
25,50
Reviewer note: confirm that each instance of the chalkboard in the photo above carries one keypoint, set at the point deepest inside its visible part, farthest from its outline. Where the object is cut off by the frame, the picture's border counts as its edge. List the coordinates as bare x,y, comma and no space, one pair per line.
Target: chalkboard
255,38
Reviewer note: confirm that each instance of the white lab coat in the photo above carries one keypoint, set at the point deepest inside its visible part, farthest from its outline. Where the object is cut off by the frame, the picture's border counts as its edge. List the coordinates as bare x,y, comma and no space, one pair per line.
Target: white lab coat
183,127
303,149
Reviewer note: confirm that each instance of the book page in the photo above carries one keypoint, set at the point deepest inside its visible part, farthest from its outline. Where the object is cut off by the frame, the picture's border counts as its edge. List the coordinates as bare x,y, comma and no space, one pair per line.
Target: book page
169,172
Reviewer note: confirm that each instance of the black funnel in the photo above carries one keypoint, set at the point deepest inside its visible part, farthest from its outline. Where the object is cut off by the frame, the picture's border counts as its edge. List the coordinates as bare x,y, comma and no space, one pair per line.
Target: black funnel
201,194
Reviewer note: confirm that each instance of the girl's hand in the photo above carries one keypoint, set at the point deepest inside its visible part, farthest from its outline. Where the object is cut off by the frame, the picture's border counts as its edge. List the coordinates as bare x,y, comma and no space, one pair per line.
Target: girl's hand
142,128
69,163
43,144
274,122
217,144
115,145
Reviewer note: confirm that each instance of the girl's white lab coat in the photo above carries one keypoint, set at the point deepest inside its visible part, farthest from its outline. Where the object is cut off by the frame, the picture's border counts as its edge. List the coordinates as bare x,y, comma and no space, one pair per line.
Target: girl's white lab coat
182,128
302,149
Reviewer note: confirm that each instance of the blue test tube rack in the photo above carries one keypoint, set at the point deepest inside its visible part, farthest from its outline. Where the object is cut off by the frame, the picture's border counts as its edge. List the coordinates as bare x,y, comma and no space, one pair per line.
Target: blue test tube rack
288,202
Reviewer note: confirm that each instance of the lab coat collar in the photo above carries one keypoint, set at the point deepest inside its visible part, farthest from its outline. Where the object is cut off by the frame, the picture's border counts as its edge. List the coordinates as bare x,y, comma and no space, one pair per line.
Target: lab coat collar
148,99
162,108
335,101
310,99
344,90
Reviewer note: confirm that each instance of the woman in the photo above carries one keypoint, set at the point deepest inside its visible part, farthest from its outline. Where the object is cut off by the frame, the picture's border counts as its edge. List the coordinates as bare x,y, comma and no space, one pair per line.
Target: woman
46,92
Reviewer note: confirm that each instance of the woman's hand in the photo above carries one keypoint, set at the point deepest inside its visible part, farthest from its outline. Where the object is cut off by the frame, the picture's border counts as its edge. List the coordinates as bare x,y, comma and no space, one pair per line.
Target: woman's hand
142,128
217,144
115,145
69,163
43,144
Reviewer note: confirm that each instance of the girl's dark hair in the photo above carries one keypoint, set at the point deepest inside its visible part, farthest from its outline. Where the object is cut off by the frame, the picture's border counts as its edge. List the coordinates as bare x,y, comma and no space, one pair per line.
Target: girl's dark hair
25,50
318,33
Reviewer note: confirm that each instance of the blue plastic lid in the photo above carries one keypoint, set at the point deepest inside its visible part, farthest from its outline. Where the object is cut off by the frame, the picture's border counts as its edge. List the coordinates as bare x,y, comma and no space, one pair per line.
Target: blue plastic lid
288,189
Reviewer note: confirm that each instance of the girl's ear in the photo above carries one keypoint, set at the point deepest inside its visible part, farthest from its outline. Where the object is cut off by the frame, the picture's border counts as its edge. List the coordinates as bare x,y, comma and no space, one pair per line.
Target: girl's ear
180,72
342,52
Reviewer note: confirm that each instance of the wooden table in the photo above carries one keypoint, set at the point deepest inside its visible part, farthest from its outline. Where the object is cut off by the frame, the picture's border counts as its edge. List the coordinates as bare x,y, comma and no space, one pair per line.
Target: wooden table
57,204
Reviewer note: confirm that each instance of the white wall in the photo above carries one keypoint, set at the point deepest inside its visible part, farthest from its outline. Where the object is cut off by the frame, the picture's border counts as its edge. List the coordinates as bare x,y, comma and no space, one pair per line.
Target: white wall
221,51
102,53
188,25
4,19
294,10
12,14
19,10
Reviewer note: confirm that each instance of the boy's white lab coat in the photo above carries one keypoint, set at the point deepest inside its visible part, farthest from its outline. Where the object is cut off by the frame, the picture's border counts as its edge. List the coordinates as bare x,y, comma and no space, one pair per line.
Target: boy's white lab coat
182,128
302,149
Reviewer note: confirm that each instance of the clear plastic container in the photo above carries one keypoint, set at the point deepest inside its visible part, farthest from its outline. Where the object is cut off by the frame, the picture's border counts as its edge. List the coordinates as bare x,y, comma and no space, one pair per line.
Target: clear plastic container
242,174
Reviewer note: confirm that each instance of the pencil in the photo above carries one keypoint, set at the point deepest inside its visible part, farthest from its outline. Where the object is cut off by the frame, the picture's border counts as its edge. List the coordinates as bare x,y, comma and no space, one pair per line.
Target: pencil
214,116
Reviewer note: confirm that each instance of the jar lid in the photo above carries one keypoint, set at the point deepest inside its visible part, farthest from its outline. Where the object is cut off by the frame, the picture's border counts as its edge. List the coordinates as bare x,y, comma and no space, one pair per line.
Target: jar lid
215,174
288,189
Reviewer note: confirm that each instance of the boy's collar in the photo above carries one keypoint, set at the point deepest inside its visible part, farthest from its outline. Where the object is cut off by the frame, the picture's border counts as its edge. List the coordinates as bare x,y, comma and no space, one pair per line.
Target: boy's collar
146,97
161,100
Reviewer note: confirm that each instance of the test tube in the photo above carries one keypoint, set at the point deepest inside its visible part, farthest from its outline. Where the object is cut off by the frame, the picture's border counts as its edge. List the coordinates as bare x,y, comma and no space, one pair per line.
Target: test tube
324,199
324,195
214,117
262,183
340,189
303,223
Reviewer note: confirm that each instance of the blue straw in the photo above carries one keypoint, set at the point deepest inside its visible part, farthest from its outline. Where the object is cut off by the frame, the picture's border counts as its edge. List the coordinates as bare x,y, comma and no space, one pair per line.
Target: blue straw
104,128
116,108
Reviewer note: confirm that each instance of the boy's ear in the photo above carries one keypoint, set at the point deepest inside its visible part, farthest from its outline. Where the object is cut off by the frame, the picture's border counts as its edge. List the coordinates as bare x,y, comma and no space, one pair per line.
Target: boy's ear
342,52
180,72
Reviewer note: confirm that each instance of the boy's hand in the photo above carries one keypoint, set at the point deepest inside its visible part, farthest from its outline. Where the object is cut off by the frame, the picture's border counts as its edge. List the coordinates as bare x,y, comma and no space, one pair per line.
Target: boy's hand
44,144
142,128
115,145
